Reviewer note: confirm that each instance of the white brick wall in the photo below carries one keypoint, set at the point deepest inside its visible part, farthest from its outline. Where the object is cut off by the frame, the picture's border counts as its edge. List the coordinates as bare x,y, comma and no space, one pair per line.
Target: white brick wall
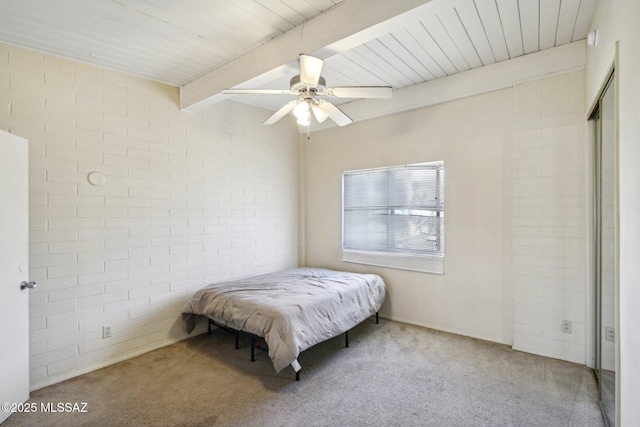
189,199
549,216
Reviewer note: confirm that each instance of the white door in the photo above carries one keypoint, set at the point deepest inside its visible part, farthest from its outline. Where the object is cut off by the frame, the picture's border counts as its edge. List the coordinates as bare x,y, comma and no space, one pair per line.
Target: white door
14,269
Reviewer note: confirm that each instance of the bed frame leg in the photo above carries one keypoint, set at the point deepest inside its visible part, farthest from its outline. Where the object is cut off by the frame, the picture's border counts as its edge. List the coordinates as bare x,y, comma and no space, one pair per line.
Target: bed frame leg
298,376
237,340
346,339
209,326
253,350
377,318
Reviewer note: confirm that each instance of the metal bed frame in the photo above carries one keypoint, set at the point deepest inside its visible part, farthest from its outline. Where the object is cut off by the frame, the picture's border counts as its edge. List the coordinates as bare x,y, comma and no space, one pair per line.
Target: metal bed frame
258,341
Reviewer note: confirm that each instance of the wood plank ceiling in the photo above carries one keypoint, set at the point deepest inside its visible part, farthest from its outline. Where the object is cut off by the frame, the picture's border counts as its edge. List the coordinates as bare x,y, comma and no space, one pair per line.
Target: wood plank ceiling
177,41
164,40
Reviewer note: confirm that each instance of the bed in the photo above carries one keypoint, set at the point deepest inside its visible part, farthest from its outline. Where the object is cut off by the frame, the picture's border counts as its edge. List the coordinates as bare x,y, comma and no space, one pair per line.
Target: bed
291,310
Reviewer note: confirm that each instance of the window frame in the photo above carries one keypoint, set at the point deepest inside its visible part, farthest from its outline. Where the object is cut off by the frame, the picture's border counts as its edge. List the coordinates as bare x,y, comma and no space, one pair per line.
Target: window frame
422,260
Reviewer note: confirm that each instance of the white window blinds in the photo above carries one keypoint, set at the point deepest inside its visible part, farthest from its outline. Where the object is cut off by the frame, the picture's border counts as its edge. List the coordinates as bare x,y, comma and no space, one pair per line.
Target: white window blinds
394,217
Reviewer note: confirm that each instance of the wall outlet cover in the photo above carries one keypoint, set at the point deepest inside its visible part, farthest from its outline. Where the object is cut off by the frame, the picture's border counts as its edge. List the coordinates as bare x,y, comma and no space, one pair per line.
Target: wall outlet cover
609,334
106,331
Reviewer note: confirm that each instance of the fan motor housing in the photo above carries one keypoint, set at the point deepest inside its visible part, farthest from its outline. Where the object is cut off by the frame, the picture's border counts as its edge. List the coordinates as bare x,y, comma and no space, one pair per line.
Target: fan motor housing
298,86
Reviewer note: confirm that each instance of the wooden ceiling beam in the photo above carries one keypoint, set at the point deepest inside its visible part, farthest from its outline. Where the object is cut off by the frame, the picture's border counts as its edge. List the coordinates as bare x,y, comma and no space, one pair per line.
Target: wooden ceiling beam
349,24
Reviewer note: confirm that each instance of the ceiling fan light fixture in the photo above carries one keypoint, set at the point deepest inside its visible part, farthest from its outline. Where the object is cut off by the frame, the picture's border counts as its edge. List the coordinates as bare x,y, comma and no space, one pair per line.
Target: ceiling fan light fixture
320,114
303,113
305,120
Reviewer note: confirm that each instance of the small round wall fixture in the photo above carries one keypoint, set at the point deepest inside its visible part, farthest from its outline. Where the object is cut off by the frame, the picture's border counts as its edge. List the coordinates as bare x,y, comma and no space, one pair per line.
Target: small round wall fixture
95,178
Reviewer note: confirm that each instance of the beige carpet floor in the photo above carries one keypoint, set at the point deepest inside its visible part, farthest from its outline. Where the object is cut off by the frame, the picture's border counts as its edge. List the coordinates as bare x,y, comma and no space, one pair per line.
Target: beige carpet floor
392,374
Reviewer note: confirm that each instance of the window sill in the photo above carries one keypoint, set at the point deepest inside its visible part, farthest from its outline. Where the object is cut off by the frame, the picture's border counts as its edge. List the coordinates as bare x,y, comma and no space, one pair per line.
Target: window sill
403,261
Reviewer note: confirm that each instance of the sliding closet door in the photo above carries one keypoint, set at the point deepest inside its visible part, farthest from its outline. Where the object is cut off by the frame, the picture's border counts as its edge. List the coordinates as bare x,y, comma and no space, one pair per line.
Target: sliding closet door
605,216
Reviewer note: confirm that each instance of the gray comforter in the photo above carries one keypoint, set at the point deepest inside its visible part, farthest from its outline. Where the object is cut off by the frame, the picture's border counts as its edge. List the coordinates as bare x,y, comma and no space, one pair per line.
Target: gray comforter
292,309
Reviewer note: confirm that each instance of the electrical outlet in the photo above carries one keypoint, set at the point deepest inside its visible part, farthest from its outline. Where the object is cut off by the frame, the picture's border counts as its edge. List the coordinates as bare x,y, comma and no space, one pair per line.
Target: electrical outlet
609,334
106,331
566,326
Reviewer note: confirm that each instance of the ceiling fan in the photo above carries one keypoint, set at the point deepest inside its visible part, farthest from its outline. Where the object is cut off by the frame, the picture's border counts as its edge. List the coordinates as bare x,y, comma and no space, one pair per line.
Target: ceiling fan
309,85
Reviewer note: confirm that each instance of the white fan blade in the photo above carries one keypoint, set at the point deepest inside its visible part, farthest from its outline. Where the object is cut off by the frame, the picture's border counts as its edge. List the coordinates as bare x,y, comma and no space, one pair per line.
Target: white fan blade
359,92
256,91
281,112
310,68
334,113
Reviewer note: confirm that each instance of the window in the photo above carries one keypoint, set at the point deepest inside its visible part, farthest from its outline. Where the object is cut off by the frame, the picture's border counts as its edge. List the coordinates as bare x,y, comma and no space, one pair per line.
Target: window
394,217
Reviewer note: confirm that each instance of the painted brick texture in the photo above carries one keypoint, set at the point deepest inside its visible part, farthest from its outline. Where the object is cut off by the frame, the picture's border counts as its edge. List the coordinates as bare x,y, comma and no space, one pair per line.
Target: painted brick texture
188,199
550,217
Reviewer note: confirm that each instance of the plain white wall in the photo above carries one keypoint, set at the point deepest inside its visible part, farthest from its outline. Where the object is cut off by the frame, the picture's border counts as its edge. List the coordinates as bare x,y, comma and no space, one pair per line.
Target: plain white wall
188,199
617,23
473,137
